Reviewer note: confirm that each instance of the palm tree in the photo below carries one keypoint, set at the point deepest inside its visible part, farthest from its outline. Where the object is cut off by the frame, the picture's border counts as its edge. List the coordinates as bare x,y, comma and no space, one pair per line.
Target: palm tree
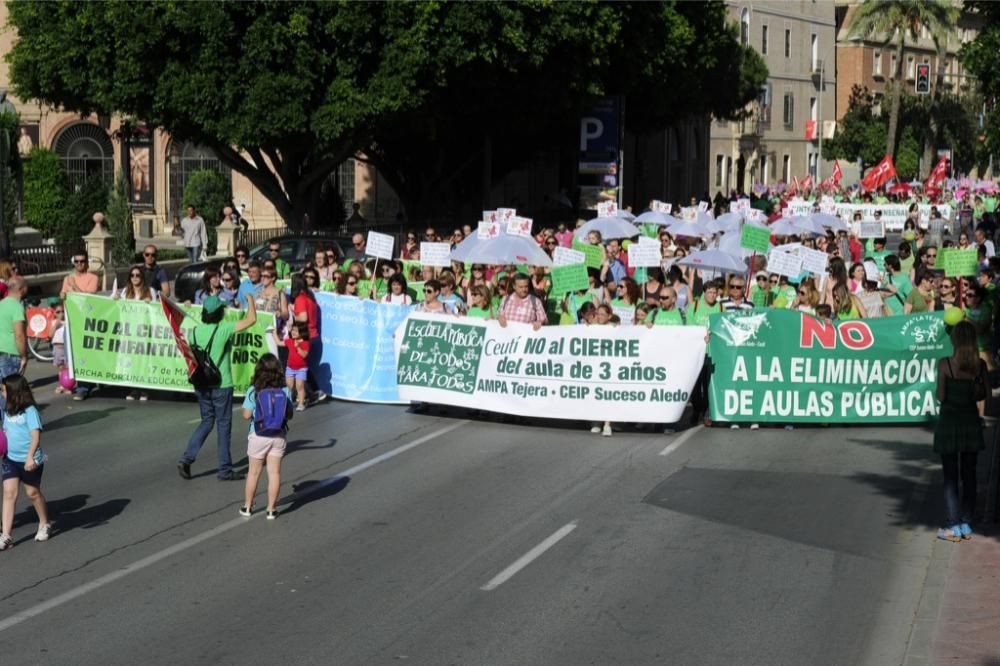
896,21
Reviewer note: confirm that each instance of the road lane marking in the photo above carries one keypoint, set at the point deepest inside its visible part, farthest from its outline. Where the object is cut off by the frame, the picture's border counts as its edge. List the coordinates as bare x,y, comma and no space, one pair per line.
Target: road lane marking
685,436
529,557
190,542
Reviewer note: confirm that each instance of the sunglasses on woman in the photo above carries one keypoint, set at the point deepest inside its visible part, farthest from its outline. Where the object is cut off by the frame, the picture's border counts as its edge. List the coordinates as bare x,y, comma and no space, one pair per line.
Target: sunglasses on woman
352,284
136,275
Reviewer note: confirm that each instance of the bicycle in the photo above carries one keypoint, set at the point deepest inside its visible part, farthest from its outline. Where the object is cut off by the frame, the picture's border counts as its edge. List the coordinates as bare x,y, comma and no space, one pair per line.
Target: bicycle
38,321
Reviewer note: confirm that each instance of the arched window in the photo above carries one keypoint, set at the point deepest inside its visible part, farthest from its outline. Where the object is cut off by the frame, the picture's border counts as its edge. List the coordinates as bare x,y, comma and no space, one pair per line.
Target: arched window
87,152
745,26
184,159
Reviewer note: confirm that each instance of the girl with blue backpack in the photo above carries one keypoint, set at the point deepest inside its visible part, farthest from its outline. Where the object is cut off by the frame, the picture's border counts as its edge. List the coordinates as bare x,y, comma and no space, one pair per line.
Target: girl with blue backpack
268,407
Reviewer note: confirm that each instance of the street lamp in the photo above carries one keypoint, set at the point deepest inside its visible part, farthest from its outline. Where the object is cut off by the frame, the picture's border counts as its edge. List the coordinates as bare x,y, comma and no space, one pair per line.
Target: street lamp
819,109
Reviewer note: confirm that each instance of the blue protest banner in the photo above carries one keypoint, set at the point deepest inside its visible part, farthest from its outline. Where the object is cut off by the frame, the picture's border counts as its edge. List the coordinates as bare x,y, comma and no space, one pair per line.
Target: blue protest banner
357,358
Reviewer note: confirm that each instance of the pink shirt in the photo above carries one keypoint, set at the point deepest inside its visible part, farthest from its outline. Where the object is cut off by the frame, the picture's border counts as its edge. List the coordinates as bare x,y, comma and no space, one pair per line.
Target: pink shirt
82,282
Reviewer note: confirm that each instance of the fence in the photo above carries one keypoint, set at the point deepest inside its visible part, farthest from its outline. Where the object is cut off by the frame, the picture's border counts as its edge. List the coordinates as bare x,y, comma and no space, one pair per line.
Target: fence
251,237
38,259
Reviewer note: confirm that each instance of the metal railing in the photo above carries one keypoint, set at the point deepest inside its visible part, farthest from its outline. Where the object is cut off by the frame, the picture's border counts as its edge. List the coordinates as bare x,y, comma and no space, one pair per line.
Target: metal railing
251,237
39,259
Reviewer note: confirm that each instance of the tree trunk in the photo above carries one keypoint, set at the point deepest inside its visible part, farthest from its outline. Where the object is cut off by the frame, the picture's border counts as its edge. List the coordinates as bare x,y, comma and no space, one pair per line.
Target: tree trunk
930,136
897,92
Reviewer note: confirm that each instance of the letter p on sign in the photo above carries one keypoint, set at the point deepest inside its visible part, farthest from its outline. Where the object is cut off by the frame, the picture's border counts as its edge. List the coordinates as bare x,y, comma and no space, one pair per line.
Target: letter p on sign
590,128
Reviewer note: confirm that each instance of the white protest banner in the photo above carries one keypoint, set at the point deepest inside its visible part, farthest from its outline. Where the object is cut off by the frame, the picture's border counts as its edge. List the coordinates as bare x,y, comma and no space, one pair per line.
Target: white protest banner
783,263
871,229
871,271
606,208
893,215
626,314
488,230
563,256
814,261
519,226
590,373
379,245
435,254
504,214
644,255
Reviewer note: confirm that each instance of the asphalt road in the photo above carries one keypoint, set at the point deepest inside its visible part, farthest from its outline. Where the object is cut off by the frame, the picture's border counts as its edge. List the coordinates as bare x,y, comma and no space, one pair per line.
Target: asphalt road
481,543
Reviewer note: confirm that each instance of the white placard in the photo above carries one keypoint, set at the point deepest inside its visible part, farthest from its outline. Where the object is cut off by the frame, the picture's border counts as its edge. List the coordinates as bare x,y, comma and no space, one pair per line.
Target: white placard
662,207
784,263
871,229
435,254
563,256
606,208
788,247
379,245
488,230
519,226
756,215
703,206
871,271
644,255
490,216
814,261
504,214
646,240
689,214
626,314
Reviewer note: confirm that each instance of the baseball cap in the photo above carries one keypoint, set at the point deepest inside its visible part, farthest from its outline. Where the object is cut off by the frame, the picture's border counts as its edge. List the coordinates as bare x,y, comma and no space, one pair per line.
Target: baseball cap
762,274
212,304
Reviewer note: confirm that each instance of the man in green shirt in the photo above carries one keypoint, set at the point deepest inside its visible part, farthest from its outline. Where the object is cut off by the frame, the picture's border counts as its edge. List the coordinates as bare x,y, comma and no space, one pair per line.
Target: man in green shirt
667,314
897,285
13,340
281,267
216,336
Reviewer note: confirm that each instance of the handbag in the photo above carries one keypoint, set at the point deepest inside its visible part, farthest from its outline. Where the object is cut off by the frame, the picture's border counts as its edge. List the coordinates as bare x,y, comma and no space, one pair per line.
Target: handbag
980,385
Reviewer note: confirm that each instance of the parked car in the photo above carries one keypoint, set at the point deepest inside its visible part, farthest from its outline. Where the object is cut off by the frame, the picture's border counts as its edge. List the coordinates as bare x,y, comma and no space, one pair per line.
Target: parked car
188,279
298,250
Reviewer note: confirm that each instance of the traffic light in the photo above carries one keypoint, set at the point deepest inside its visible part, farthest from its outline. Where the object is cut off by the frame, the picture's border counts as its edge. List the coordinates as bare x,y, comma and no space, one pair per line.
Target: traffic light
923,78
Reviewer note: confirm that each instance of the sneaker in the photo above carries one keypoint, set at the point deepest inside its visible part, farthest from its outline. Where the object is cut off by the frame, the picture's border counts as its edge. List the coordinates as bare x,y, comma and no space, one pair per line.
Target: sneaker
143,397
320,396
669,430
246,511
966,531
606,431
755,426
233,476
789,426
272,515
79,396
44,532
301,407
596,429
6,543
734,427
953,534
184,469
131,396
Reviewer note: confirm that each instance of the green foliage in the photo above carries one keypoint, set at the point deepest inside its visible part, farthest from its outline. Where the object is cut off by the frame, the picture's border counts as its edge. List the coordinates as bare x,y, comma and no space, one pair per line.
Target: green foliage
45,191
860,133
980,58
119,223
908,154
209,192
77,218
300,86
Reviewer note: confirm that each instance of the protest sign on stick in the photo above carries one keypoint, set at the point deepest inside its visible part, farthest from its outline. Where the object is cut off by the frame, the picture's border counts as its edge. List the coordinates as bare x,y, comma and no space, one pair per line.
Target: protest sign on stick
644,254
379,245
755,238
569,278
959,263
783,263
871,229
814,261
563,256
435,254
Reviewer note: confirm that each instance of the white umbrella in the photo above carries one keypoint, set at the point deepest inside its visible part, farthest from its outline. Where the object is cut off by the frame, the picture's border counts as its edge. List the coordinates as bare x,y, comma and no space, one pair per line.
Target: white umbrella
609,227
714,260
784,227
809,226
656,217
729,221
504,249
625,215
692,229
829,221
730,244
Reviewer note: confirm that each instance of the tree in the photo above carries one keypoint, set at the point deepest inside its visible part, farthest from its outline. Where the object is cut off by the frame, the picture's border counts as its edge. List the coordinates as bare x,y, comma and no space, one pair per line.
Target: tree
860,134
979,56
284,92
209,192
119,218
10,170
45,190
77,216
897,20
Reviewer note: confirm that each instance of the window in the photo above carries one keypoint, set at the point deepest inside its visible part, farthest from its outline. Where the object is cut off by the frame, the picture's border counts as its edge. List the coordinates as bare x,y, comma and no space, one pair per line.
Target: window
892,65
87,152
877,63
788,42
345,185
813,109
763,40
814,53
763,168
786,168
745,27
720,164
183,160
812,164
788,110
911,67
765,105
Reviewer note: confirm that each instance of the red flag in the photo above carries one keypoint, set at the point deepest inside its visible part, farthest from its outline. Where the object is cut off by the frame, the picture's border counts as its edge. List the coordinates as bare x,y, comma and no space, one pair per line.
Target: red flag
938,173
793,187
880,175
174,317
807,182
837,173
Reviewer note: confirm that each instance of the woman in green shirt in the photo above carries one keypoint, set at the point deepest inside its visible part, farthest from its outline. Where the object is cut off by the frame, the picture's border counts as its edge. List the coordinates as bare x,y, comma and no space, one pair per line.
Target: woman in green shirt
482,305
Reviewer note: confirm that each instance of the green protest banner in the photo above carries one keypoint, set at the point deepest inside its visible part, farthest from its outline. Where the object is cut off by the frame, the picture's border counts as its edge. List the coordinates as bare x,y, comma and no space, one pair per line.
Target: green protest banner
569,278
958,263
783,366
594,257
284,285
755,238
130,343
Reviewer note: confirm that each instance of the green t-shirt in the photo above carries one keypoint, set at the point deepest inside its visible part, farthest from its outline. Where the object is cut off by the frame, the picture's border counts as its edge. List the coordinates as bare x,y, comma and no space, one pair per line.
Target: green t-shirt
221,351
699,312
668,318
11,310
916,299
761,297
903,288
282,269
478,313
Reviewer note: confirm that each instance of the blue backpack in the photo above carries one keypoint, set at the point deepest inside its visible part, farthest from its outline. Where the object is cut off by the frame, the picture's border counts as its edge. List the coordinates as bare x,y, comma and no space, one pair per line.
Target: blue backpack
272,411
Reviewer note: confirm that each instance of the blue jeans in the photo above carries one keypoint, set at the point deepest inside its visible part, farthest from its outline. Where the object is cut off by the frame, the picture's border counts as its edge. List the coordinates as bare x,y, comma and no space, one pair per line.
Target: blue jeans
955,465
193,253
216,411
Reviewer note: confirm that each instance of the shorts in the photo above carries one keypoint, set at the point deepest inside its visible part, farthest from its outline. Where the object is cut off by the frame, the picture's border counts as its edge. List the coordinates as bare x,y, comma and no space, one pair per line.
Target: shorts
265,447
58,355
300,375
15,470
